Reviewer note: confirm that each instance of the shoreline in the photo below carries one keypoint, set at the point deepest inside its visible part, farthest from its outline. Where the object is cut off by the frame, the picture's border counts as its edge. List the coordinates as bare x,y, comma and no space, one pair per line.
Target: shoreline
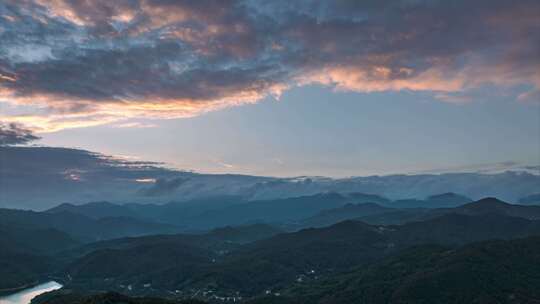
6,292
13,290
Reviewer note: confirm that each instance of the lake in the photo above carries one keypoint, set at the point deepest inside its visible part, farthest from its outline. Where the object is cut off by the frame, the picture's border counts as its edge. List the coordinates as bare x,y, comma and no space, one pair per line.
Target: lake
26,295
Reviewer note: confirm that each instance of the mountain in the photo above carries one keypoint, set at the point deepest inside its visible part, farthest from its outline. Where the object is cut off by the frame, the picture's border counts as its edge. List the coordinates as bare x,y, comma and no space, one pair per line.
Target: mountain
25,254
398,216
95,210
81,227
247,270
21,239
447,200
172,213
421,274
168,261
459,229
493,205
244,234
219,211
353,240
278,261
485,272
347,212
28,255
177,213
243,261
218,241
183,264
360,198
533,199
30,241
480,207
160,264
292,213
269,211
20,270
329,208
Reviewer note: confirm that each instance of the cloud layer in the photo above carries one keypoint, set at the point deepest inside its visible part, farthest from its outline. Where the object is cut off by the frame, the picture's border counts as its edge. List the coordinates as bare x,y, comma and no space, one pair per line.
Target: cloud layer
13,134
75,63
43,177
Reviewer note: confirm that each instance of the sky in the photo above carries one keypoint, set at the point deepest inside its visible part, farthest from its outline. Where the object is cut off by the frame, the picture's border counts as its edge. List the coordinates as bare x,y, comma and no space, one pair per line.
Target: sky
280,88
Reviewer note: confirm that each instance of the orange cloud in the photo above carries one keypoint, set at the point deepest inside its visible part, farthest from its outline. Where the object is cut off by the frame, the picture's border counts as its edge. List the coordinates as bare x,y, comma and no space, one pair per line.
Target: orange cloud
7,78
113,62
56,116
441,80
353,78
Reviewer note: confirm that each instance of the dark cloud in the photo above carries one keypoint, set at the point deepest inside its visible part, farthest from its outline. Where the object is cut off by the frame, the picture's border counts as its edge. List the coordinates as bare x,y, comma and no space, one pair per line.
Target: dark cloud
14,134
91,62
42,177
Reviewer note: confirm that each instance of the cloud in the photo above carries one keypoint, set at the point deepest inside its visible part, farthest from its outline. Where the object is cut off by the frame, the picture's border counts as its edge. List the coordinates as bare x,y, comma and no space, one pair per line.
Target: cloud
42,177
78,63
164,186
134,124
453,98
32,176
14,134
489,168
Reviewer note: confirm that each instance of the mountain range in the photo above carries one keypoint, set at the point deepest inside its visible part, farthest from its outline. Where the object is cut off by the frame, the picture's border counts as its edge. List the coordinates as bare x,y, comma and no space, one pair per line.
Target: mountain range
327,243
290,213
274,262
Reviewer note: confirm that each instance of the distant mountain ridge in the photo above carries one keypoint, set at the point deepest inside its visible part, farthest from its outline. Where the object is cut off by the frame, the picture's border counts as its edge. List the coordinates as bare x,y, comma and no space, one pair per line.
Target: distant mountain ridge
484,206
95,210
448,199
346,212
292,213
202,214
491,205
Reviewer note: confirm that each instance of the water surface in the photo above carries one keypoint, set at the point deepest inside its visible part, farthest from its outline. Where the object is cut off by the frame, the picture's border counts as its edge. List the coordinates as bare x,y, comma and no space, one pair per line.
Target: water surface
26,295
